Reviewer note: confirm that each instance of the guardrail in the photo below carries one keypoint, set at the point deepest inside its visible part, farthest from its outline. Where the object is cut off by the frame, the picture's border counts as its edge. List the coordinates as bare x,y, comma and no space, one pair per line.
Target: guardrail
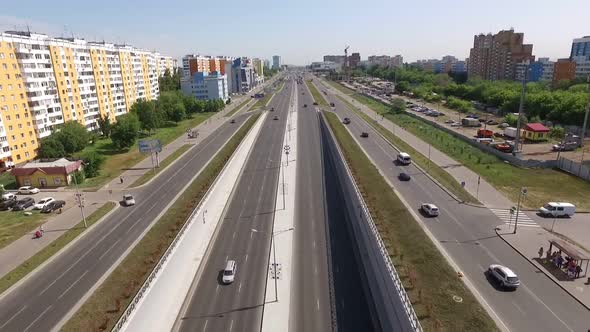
146,285
395,279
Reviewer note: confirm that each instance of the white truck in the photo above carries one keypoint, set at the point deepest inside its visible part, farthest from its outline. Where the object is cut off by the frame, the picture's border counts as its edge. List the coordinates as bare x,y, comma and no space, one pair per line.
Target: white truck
557,209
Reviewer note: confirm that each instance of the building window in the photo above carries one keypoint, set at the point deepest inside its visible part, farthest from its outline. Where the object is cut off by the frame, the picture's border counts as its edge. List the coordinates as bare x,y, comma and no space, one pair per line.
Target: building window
57,180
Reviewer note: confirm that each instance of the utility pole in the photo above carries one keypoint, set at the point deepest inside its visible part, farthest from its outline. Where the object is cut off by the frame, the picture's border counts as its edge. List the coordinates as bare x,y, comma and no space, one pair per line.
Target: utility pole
586,117
520,112
523,192
80,201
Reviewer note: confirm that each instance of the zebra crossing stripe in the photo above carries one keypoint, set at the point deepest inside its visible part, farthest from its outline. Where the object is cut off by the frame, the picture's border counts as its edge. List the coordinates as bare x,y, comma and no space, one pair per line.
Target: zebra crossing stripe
507,218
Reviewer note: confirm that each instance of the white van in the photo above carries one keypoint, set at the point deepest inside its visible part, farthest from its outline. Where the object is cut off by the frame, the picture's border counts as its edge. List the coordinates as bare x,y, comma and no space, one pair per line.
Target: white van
404,158
229,272
557,209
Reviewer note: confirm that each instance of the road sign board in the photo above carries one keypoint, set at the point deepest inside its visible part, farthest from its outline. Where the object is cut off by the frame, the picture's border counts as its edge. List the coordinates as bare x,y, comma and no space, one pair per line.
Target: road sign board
150,145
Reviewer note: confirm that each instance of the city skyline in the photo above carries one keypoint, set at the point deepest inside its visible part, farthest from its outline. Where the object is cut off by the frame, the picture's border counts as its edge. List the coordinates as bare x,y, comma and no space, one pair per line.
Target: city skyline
298,32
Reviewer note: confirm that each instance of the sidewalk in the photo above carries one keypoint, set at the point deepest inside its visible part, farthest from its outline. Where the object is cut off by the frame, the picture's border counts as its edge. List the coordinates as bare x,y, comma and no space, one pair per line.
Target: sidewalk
528,241
167,287
24,248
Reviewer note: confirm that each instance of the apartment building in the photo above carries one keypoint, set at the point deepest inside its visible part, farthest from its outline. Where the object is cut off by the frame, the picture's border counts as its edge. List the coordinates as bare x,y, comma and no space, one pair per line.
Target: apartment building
385,61
45,82
494,57
205,86
580,54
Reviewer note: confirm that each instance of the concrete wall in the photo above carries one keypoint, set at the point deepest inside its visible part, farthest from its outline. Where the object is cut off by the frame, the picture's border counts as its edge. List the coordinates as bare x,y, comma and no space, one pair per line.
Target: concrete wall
575,168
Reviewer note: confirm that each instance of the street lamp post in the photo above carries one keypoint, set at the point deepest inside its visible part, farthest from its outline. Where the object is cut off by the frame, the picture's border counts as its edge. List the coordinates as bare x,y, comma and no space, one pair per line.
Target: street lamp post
80,201
520,112
274,256
523,192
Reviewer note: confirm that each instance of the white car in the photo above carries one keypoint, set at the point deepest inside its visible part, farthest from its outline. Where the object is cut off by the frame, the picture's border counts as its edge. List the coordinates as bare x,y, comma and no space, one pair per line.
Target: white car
128,200
28,190
229,273
430,209
505,276
8,196
43,203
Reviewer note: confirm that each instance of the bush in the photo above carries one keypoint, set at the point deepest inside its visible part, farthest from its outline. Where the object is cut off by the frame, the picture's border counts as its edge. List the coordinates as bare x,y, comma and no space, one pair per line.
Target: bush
92,163
79,177
397,105
557,132
462,106
51,147
125,131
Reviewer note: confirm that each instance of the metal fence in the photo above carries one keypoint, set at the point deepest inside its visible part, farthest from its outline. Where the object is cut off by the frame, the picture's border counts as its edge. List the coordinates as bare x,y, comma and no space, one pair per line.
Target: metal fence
578,169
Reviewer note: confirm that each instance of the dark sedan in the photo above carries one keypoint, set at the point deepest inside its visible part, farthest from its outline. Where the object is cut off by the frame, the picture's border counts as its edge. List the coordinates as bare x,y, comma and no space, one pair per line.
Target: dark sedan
364,134
404,176
23,203
7,204
55,205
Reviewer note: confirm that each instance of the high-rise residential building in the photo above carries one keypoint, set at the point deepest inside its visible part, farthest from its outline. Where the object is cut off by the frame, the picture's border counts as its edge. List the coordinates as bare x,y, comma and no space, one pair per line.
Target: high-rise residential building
46,81
564,69
494,57
385,61
339,59
354,60
266,63
258,66
580,54
276,62
397,61
206,86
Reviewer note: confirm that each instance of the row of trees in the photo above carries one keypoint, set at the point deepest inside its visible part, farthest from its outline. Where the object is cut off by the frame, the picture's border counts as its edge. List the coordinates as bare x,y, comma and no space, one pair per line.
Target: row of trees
170,81
563,103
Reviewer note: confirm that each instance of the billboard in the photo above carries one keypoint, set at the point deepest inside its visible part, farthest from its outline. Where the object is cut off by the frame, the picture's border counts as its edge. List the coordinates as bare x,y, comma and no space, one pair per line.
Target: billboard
150,145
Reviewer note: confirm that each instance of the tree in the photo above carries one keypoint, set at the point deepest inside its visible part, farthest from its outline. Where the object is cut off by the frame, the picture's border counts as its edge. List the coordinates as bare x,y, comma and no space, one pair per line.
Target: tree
397,105
104,125
92,163
146,114
167,103
51,147
125,131
178,112
557,132
73,136
170,81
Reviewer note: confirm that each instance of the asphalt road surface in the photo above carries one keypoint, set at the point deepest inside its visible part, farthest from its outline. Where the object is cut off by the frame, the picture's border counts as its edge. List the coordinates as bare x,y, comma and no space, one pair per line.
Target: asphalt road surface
244,235
46,297
467,233
310,287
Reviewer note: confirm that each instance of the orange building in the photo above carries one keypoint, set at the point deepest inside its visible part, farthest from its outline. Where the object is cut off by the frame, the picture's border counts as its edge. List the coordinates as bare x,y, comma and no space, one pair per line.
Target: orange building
564,69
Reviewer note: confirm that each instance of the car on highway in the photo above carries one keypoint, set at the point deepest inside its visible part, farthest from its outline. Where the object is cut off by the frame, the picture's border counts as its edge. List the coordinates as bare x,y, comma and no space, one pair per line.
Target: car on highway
229,273
429,209
42,203
315,103
128,200
55,205
364,134
232,121
346,121
275,117
28,190
23,204
505,276
332,104
272,109
8,196
404,158
404,177
304,105
7,204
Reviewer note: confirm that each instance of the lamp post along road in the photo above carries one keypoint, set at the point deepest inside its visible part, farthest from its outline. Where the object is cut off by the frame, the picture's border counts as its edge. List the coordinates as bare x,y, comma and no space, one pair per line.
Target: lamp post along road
523,192
520,113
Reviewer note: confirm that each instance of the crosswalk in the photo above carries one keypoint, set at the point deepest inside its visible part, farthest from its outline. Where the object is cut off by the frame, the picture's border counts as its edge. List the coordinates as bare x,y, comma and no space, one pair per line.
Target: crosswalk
523,219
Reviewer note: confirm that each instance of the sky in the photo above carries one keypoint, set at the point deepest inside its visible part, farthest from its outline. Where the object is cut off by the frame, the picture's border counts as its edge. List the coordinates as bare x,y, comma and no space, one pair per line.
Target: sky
303,31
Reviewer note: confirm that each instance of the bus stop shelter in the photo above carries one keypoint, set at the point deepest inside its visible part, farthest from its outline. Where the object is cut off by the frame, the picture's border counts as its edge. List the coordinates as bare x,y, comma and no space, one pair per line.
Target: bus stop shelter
582,259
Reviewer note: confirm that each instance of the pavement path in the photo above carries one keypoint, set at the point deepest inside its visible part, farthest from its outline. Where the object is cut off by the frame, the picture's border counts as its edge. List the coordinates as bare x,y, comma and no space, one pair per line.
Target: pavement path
25,247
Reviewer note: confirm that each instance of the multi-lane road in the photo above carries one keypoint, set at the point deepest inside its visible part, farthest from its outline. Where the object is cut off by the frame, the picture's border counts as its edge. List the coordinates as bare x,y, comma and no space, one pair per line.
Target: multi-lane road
49,295
468,236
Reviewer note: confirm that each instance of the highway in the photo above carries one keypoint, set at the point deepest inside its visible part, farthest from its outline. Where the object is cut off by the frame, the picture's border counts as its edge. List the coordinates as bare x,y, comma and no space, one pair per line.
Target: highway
244,235
46,297
468,236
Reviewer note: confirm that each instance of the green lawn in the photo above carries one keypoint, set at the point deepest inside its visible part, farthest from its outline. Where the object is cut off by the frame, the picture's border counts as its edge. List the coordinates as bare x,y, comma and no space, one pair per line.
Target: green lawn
107,303
118,161
317,97
15,224
172,157
429,280
437,172
32,263
543,185
341,87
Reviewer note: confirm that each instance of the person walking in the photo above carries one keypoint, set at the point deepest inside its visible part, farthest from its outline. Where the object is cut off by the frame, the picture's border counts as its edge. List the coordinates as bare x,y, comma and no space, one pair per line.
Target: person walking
121,179
540,252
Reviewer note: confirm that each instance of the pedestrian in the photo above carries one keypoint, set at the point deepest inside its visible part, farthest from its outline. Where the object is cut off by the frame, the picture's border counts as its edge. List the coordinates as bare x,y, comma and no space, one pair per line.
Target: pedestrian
41,229
578,271
121,179
540,252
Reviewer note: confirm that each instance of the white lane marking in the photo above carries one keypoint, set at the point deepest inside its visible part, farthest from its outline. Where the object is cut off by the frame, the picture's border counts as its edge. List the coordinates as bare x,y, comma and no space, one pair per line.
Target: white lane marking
234,236
231,325
109,249
316,270
38,317
543,303
13,316
205,325
246,258
217,289
519,308
240,287
48,286
317,301
73,284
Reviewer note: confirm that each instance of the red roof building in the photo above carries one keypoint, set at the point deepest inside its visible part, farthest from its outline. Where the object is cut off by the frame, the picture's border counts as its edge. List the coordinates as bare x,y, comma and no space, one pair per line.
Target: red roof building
535,132
44,174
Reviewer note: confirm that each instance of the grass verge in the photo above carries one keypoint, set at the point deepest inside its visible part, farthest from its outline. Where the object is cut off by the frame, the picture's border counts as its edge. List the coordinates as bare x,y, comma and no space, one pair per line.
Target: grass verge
118,161
32,263
238,108
15,224
544,185
341,87
437,172
171,158
317,97
105,306
429,280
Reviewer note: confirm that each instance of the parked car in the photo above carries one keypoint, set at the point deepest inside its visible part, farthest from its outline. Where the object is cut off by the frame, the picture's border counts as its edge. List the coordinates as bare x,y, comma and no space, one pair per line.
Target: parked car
455,124
429,209
42,203
346,121
128,200
364,134
492,122
557,209
8,196
28,190
404,176
449,121
52,206
7,204
23,203
506,277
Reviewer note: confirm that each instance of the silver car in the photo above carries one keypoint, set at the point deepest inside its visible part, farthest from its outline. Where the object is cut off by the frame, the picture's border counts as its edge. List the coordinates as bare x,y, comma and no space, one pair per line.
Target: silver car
506,277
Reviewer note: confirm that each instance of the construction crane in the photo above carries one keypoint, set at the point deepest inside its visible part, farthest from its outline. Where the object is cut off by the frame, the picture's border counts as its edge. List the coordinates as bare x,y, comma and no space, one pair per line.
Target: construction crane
346,66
